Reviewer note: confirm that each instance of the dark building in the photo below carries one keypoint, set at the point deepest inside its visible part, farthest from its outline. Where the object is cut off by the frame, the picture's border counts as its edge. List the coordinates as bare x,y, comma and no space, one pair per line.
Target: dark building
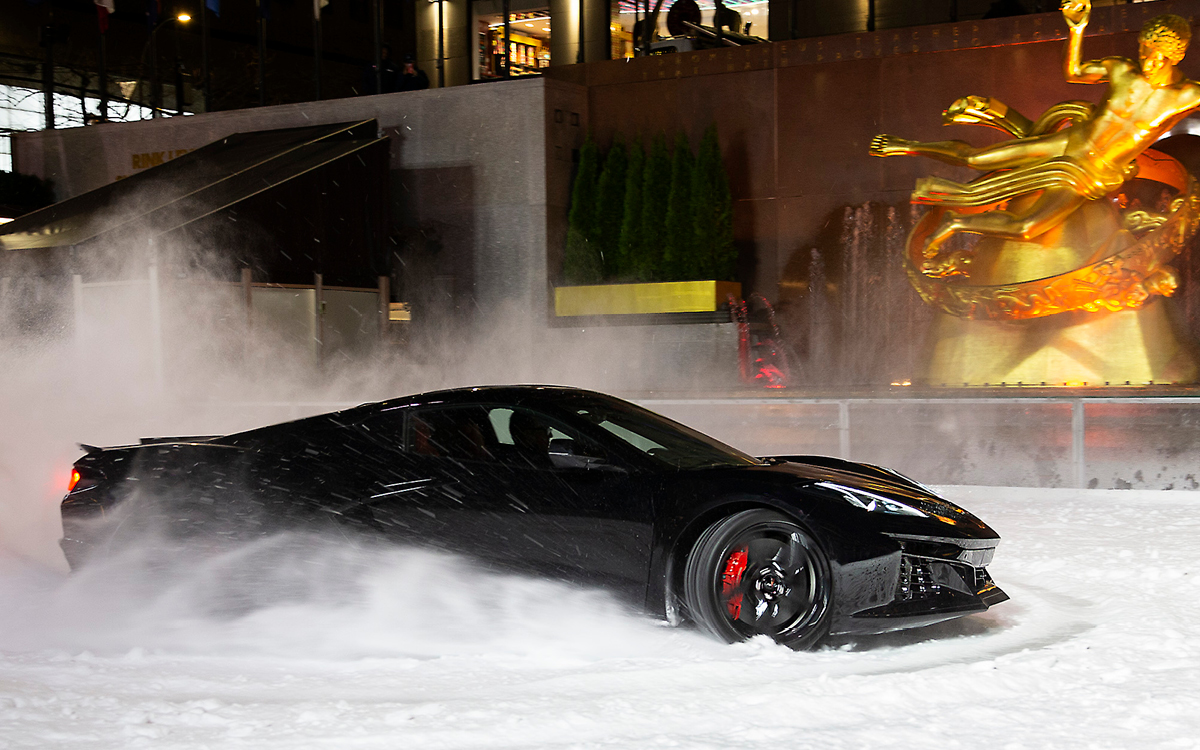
66,33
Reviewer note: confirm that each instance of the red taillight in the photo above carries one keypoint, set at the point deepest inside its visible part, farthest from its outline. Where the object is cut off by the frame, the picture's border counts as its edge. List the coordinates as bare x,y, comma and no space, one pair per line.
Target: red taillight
74,480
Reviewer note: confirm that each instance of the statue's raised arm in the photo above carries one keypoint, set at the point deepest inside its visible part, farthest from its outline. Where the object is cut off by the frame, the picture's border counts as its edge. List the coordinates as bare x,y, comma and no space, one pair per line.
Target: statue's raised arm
1077,13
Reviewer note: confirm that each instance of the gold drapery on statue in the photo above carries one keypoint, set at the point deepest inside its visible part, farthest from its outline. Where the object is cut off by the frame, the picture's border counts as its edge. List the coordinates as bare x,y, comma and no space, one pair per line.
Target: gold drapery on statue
1136,269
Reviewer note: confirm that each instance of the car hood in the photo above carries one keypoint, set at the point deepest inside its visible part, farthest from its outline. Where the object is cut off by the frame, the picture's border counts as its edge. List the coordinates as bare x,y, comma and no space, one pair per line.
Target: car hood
824,474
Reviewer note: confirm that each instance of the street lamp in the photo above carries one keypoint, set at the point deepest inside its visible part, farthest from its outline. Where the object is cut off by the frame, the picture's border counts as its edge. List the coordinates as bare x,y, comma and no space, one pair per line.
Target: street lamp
155,84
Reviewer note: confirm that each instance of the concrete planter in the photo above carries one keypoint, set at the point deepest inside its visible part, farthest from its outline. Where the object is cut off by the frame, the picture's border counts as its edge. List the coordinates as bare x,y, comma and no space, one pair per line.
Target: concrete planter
640,299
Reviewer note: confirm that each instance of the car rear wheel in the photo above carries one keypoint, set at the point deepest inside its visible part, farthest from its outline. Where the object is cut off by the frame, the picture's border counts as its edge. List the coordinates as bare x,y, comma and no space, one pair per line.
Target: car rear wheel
759,573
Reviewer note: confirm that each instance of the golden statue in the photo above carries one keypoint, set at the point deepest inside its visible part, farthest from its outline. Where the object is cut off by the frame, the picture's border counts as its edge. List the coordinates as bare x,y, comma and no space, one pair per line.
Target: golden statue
1063,283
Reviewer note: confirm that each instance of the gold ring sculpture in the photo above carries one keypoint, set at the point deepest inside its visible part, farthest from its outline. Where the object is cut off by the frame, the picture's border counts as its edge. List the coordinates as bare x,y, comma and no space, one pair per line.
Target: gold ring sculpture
1125,279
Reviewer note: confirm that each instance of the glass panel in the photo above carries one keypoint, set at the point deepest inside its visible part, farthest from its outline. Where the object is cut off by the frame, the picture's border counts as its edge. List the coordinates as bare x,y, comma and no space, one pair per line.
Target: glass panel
1142,446
458,432
387,428
954,442
530,438
23,109
672,444
764,429
528,37
748,18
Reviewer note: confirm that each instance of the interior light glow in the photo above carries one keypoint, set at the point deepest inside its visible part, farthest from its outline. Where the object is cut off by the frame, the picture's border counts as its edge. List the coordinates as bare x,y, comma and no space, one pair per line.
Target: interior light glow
74,480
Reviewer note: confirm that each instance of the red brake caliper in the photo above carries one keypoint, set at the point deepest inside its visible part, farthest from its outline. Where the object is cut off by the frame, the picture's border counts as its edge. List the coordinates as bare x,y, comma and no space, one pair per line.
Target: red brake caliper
735,566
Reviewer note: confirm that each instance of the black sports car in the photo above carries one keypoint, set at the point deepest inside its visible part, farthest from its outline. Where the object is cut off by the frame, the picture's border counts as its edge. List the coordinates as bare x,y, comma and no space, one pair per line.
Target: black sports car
577,485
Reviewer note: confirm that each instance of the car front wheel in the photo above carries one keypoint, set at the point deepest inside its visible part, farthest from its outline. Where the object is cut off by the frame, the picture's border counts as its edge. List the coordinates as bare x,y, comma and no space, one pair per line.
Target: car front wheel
759,573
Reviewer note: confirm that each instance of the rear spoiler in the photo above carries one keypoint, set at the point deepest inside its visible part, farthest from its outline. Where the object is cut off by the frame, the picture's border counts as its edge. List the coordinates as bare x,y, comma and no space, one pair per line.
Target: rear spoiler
180,439
153,441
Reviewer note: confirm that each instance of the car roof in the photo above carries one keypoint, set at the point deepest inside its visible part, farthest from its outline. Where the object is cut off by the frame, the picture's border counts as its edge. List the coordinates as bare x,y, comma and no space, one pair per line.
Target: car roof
505,394
480,393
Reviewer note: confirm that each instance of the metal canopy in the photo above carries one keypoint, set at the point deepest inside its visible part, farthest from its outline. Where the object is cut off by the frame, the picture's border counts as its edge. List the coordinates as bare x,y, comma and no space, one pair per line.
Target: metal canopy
190,187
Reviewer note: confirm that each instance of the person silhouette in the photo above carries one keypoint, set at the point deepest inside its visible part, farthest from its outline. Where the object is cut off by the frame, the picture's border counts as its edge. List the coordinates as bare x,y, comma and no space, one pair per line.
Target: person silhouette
531,438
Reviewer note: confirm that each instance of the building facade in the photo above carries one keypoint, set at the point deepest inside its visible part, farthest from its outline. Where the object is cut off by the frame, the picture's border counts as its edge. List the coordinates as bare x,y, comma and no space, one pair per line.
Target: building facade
481,174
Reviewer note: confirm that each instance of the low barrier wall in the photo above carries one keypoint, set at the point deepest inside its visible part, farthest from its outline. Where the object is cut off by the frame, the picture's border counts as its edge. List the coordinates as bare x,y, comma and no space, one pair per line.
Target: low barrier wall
1107,443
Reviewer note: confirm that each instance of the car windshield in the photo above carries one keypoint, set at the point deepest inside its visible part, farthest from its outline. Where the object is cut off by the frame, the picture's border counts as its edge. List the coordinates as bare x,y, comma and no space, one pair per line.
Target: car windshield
663,440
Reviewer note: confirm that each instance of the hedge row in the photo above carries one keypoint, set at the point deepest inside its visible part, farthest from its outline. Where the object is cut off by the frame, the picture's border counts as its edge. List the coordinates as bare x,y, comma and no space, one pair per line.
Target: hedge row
662,216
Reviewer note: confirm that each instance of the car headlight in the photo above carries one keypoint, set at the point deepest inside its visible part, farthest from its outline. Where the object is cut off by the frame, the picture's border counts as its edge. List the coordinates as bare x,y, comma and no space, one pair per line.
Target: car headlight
871,502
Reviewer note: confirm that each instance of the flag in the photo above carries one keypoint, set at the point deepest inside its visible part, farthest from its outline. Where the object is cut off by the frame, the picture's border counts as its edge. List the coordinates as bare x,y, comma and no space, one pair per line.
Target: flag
153,9
317,6
103,8
214,6
264,9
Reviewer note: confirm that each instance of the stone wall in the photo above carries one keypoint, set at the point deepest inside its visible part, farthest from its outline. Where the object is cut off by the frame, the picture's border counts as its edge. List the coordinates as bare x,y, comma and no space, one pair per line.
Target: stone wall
481,174
480,177
796,117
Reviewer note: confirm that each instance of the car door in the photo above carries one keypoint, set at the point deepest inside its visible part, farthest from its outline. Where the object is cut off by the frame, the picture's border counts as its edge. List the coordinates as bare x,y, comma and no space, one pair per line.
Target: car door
480,488
414,490
566,506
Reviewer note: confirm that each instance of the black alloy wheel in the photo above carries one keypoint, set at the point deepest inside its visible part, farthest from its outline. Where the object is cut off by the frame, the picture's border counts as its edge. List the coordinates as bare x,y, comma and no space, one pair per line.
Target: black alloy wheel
759,573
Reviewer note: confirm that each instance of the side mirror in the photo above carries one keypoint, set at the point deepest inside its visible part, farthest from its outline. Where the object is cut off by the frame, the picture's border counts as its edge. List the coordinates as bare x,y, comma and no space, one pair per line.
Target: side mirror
563,456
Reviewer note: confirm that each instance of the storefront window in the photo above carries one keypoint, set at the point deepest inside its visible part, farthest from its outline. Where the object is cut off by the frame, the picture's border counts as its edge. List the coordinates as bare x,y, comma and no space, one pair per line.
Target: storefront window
528,40
683,25
622,40
747,19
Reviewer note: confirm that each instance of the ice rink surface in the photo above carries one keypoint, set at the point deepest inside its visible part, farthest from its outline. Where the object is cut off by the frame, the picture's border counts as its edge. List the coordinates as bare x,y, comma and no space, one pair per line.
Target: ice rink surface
302,643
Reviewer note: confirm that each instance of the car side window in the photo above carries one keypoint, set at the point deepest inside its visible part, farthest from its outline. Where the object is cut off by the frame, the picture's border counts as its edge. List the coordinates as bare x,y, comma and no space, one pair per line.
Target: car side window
458,432
512,436
386,428
525,437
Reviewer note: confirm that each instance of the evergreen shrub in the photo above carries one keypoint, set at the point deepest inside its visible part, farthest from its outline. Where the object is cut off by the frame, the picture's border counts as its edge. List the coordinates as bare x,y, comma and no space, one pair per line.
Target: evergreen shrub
610,207
662,216
581,259
679,240
629,246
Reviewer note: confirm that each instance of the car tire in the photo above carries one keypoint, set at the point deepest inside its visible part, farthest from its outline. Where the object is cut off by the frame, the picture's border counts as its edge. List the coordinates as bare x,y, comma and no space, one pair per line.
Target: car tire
759,573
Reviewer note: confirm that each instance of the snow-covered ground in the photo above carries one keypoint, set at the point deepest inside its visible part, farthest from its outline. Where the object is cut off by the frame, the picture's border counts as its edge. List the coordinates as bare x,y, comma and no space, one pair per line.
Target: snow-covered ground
303,643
